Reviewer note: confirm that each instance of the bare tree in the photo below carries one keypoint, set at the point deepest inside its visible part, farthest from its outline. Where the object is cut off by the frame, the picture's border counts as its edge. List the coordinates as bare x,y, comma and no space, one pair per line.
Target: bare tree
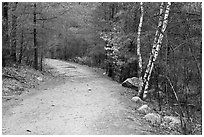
35,65
5,32
13,31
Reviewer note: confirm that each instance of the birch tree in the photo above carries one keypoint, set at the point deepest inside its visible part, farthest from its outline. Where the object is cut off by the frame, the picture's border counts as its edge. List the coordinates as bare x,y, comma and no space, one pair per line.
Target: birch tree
138,41
163,21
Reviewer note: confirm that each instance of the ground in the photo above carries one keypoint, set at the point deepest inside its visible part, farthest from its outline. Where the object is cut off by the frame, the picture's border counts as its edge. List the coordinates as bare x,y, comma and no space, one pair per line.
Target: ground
83,102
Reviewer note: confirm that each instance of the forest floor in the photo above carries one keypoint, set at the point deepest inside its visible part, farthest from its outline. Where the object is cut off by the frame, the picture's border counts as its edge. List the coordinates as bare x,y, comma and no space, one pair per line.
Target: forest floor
76,100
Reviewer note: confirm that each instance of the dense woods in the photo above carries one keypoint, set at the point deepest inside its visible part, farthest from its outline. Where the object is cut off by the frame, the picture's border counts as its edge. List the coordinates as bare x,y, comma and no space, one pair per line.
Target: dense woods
159,43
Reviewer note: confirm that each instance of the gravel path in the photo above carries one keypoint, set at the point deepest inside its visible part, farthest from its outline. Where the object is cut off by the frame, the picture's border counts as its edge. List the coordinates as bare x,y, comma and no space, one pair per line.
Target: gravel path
87,103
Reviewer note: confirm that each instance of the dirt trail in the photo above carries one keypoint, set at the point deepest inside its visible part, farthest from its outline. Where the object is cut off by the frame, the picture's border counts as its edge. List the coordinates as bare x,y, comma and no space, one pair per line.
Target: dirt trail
87,103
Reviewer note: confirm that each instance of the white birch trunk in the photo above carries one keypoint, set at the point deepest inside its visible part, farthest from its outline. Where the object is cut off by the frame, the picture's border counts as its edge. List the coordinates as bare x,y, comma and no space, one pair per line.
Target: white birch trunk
141,89
138,41
156,47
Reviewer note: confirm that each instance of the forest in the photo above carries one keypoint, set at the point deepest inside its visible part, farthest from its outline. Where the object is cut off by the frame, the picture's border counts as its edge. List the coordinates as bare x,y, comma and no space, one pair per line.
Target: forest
157,43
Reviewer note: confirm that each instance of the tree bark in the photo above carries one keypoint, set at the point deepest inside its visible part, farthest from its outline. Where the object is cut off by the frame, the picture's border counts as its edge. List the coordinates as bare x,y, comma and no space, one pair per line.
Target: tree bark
156,46
21,48
112,10
5,32
138,41
141,89
35,65
41,61
13,32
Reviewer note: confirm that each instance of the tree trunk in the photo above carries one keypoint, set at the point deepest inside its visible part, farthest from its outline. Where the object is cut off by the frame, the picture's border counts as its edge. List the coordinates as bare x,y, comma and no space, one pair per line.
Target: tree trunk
112,10
21,48
41,61
138,41
141,90
35,65
13,32
156,47
4,32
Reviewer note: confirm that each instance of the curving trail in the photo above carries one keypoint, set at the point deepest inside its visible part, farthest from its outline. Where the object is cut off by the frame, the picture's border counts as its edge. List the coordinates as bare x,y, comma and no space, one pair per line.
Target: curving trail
87,103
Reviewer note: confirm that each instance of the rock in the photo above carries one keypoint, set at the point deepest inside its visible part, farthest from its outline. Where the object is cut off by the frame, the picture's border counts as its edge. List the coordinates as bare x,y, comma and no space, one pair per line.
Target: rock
171,122
153,118
39,78
137,100
144,109
28,130
132,82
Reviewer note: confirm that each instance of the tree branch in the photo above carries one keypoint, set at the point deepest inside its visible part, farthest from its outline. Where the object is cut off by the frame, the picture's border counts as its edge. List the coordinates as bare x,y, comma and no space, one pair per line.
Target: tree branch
51,18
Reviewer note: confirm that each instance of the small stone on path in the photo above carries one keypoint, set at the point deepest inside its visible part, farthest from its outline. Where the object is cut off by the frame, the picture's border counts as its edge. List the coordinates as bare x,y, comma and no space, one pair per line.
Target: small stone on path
28,130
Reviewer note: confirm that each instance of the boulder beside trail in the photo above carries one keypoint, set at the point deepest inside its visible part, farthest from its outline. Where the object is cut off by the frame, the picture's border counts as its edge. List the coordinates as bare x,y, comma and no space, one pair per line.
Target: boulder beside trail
137,100
132,82
144,109
153,118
